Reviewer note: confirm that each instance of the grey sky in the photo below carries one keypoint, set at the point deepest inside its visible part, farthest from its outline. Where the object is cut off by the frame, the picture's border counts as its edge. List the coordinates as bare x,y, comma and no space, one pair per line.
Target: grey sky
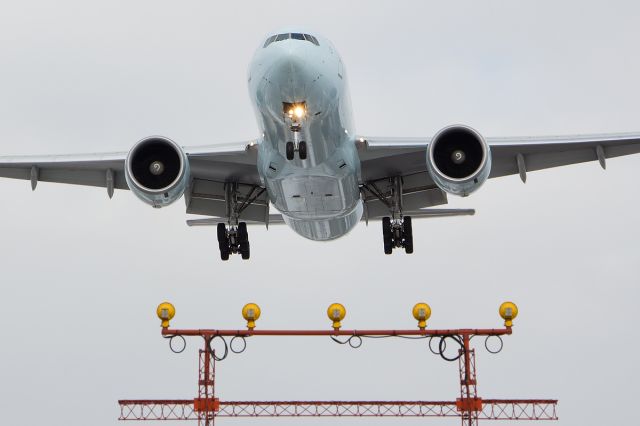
82,275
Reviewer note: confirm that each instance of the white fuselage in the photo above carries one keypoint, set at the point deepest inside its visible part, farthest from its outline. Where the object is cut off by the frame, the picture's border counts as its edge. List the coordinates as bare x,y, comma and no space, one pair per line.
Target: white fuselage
319,196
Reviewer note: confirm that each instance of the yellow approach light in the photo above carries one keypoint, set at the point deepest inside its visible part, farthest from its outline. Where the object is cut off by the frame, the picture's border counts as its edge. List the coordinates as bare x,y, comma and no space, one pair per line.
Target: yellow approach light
251,313
336,313
508,311
166,311
421,312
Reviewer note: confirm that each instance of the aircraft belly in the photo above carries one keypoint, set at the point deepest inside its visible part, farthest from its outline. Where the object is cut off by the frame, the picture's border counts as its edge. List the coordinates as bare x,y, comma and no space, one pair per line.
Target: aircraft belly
318,207
326,229
313,195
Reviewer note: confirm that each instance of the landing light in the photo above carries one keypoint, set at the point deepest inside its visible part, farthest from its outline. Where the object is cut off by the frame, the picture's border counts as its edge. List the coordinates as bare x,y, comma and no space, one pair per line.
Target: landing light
166,311
295,111
251,313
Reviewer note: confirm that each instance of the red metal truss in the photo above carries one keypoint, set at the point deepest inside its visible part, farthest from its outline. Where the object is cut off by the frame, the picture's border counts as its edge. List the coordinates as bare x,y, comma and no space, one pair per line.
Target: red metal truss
491,409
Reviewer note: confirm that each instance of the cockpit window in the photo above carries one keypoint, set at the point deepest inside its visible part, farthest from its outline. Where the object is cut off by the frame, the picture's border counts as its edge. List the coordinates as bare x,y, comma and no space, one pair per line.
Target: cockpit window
294,36
312,39
270,40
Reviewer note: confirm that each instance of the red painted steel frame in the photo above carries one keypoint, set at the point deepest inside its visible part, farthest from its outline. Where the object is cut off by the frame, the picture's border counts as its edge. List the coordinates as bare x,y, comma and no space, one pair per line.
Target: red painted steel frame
469,407
361,333
492,409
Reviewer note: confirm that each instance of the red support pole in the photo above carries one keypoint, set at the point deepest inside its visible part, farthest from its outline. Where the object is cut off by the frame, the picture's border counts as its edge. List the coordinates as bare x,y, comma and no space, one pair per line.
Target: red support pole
206,404
469,404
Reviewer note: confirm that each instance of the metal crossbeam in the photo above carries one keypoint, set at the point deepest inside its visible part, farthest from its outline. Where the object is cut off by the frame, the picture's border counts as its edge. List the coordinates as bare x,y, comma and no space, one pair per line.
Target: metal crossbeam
492,409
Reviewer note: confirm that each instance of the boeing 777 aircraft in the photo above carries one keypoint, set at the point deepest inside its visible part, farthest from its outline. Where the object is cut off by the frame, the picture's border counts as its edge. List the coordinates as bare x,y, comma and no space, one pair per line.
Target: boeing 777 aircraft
308,162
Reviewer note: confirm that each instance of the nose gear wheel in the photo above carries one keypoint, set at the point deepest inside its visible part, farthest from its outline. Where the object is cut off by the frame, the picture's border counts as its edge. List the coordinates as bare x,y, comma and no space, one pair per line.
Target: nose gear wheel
291,148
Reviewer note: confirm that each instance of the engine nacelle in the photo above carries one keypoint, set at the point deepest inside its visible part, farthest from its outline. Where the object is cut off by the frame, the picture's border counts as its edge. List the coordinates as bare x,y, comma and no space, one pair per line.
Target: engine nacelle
458,160
157,171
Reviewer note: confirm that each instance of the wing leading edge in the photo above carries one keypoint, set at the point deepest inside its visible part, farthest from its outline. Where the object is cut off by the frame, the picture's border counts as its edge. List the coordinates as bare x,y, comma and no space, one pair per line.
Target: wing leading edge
386,157
217,163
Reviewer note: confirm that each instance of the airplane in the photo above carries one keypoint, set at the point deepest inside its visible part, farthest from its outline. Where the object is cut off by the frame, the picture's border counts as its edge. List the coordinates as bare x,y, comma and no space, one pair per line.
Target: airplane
309,163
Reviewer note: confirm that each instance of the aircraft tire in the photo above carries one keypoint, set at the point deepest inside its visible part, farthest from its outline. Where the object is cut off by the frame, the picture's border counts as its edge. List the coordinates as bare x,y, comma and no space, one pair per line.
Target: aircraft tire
243,241
243,235
289,150
224,253
223,241
244,250
302,150
222,232
407,231
387,236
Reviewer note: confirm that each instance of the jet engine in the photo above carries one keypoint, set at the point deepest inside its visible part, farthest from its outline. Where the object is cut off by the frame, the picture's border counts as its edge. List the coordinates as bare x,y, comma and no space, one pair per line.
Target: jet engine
157,171
458,160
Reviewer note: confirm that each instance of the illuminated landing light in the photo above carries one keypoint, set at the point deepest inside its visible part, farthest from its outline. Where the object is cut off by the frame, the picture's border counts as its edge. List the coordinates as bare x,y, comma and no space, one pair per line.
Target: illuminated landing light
296,111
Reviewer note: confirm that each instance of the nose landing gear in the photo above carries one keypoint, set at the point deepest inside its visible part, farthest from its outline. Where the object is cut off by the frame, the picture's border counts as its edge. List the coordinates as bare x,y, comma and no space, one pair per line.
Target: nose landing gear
294,114
301,148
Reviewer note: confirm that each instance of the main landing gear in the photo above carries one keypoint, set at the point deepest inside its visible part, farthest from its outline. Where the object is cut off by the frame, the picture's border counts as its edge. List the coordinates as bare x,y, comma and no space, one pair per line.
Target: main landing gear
397,231
234,239
397,234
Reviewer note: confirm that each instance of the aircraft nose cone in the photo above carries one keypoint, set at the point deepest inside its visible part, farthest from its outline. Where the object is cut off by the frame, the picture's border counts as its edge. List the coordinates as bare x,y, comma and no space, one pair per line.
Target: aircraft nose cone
293,71
293,65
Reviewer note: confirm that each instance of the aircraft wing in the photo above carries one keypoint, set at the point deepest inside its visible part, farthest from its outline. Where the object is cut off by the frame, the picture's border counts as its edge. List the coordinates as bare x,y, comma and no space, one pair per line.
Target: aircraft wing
211,167
386,157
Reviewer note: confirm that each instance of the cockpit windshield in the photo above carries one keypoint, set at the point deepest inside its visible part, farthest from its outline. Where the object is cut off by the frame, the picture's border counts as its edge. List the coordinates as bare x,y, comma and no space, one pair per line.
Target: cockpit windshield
294,36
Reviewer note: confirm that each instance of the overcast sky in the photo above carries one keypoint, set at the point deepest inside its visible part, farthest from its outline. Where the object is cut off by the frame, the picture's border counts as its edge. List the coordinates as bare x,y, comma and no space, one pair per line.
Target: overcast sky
82,274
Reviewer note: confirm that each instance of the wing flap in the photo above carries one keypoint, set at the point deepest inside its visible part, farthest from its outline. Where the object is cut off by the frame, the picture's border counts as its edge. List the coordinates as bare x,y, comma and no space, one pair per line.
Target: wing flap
274,219
207,197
